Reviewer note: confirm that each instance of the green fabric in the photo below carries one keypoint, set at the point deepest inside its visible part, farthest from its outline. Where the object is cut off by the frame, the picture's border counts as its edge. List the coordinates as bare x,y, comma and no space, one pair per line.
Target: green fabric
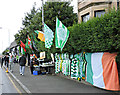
61,34
48,36
89,68
83,65
17,57
34,42
36,32
26,44
22,51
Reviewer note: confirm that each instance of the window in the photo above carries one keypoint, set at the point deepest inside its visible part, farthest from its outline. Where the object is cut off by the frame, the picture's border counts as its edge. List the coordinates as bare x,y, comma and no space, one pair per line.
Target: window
99,13
85,17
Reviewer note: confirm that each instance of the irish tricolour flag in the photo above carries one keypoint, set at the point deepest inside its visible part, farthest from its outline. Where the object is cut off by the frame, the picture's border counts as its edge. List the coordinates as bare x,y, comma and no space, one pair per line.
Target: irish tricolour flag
102,70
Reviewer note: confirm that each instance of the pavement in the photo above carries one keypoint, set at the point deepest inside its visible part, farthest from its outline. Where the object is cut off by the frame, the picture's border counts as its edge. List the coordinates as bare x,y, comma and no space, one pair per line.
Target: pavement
52,83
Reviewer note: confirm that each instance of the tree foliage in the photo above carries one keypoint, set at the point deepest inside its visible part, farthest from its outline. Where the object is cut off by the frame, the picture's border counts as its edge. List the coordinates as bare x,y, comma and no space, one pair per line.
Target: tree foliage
33,21
97,34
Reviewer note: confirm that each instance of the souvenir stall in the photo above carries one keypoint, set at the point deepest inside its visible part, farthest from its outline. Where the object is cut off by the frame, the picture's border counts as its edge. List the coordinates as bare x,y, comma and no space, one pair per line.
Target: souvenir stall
45,66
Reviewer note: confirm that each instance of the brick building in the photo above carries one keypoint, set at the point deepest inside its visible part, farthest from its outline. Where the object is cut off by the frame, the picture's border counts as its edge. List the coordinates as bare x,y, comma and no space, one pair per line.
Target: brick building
92,8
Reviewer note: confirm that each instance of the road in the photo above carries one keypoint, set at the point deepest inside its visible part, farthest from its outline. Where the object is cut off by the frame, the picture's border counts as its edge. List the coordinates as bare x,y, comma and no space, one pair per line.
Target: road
8,84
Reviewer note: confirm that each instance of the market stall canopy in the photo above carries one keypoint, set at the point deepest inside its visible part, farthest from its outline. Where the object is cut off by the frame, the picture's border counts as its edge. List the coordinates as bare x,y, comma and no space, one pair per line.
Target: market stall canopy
13,44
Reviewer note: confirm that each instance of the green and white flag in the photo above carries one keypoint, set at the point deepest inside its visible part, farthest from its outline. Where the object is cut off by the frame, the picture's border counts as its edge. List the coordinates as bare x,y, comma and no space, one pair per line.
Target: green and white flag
48,33
61,34
22,51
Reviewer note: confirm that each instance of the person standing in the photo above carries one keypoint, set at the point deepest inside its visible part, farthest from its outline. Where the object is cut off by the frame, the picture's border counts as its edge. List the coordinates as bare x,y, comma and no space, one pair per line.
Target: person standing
7,61
33,62
2,59
14,59
17,58
22,62
11,58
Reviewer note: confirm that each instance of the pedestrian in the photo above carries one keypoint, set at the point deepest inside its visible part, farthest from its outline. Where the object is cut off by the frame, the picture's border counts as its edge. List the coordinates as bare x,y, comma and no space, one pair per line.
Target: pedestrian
22,62
17,58
2,59
11,59
33,62
7,61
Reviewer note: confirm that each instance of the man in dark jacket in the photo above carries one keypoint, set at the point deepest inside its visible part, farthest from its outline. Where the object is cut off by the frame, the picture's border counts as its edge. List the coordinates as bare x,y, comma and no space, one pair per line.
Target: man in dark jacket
22,62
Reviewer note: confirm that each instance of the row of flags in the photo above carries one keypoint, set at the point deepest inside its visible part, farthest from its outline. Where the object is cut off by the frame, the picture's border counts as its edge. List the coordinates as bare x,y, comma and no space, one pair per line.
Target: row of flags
61,36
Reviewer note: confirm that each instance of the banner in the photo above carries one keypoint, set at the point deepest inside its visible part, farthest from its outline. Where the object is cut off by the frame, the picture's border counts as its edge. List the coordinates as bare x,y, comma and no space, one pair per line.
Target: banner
33,43
48,33
22,51
22,45
42,55
29,42
26,44
40,35
102,70
61,34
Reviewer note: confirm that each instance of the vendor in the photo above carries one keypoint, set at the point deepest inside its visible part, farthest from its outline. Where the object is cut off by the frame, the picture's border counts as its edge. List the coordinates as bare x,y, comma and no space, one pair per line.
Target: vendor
34,61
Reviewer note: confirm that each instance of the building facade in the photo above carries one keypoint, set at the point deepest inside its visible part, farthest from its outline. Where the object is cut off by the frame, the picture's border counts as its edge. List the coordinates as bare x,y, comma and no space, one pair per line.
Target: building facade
92,8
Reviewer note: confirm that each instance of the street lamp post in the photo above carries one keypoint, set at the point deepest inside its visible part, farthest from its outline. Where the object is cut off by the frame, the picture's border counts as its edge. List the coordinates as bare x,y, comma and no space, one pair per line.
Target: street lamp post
42,17
9,39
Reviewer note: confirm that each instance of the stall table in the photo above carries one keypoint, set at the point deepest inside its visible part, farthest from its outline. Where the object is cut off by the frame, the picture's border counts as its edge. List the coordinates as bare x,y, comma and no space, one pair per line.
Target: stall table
48,67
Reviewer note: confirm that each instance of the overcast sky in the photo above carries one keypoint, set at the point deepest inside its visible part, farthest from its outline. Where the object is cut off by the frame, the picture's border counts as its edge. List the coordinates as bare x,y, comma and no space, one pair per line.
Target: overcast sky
11,14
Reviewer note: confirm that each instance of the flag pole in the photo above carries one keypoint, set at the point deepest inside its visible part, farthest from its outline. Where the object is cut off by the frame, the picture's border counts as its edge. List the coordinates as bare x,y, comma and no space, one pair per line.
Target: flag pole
42,17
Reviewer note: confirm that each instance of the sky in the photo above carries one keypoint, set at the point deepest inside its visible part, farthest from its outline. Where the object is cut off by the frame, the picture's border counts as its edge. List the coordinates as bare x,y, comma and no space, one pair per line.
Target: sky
11,14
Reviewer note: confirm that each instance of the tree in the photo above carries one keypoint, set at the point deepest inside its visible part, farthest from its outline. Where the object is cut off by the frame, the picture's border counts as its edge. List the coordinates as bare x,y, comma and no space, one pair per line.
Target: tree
33,21
26,22
62,10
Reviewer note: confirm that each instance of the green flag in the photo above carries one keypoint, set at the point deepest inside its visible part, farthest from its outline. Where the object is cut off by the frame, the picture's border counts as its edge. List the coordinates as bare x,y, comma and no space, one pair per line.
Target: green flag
22,51
48,33
26,44
61,34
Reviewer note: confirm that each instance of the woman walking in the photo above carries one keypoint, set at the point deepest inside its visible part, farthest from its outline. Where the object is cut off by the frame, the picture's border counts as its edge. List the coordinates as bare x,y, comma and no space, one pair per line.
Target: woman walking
11,58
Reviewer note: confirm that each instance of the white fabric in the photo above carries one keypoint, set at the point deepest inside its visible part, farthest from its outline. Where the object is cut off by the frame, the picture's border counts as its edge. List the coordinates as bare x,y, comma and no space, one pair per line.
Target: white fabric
96,62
